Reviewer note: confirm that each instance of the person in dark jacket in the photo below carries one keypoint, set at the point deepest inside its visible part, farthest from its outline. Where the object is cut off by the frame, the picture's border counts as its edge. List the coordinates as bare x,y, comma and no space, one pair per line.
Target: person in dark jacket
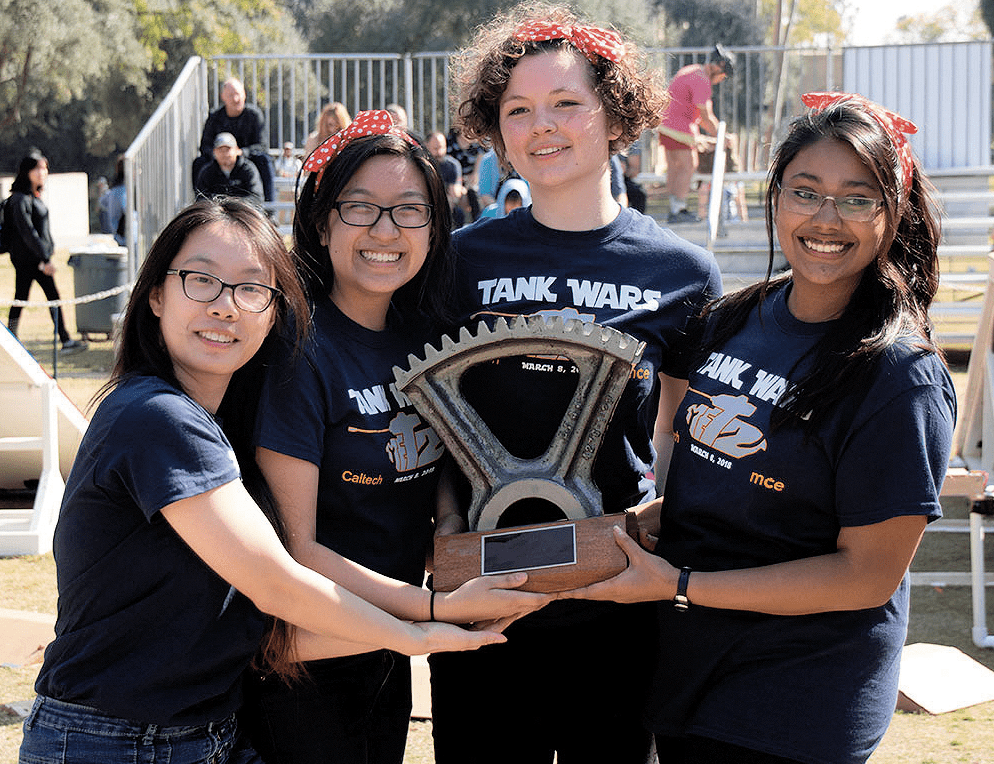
25,218
244,121
229,173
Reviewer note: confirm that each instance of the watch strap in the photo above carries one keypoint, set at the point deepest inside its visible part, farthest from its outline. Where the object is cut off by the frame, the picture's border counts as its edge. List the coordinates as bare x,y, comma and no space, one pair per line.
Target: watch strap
680,601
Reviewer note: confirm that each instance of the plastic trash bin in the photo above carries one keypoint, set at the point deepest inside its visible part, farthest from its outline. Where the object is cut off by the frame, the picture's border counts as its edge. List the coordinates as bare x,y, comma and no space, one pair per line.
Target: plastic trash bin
97,268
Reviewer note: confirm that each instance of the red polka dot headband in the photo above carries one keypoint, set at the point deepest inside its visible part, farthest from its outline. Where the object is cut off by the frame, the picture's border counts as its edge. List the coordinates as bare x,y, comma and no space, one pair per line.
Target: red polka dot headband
894,125
375,122
590,41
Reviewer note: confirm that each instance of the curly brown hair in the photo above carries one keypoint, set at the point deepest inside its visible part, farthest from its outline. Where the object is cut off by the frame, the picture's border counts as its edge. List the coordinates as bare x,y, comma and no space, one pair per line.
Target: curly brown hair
632,96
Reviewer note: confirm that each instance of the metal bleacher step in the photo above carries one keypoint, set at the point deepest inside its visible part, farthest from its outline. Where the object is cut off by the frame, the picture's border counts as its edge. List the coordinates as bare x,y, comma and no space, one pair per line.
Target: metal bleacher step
965,221
26,443
964,250
942,579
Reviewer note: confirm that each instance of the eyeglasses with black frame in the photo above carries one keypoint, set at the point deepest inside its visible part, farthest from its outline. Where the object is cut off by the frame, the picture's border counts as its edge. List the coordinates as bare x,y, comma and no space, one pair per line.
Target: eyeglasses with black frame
409,215
203,287
859,209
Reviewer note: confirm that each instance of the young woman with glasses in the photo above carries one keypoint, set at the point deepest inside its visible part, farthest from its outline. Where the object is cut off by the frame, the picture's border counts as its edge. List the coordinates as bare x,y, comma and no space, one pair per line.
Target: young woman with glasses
811,448
353,467
166,551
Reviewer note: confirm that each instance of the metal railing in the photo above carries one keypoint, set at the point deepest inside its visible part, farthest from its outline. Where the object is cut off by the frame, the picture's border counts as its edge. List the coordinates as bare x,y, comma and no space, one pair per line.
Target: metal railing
158,165
291,90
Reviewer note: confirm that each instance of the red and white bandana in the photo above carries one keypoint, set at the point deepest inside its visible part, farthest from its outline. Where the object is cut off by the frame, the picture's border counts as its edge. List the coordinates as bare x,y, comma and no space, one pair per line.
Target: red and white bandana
894,125
590,41
374,122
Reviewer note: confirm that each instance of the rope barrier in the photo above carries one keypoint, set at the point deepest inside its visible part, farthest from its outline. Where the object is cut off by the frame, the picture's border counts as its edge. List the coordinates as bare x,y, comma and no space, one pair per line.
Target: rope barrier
74,301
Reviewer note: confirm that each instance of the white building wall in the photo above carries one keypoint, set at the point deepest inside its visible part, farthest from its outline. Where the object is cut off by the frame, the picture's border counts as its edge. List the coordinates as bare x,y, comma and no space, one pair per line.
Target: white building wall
944,89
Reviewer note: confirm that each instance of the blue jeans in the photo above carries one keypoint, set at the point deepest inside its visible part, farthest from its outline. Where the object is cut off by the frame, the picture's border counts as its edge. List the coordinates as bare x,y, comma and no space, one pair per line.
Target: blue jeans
56,732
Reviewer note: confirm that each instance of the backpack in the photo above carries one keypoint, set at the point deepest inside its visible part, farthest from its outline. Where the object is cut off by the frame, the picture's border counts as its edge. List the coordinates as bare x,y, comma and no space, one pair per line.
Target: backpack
4,244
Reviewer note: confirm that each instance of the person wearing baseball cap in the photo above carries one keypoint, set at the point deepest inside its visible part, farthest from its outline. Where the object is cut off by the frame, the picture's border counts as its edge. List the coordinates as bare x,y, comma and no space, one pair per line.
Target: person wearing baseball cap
229,173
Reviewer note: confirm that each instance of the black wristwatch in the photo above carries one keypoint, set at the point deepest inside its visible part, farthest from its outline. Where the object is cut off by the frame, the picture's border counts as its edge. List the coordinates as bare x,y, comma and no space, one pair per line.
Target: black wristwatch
680,601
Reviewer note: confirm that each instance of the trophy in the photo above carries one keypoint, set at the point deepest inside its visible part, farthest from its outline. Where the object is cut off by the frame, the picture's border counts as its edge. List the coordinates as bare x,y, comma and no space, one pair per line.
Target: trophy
560,555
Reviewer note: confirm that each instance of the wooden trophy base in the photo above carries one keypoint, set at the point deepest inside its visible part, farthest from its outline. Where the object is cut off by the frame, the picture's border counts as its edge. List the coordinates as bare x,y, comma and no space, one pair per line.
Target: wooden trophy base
557,556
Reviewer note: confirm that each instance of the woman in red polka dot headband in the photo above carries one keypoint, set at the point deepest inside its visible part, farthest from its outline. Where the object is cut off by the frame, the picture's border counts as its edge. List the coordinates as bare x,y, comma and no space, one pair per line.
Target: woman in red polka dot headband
353,467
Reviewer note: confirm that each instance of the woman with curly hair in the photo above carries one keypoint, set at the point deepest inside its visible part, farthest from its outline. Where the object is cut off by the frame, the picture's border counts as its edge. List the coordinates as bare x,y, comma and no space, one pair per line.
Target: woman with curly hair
556,98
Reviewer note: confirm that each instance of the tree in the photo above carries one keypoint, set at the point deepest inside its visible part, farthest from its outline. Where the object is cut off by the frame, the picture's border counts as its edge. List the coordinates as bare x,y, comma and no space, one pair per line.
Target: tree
174,30
945,24
702,23
987,13
401,26
79,78
803,22
52,53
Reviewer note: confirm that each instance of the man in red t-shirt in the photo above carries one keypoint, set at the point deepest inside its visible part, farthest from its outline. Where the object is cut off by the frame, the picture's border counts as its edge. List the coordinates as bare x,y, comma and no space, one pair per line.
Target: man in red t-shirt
690,106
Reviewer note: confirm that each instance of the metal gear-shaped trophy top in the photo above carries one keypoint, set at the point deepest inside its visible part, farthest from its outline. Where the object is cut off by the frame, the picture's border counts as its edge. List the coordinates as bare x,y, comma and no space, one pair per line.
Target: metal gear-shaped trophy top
604,358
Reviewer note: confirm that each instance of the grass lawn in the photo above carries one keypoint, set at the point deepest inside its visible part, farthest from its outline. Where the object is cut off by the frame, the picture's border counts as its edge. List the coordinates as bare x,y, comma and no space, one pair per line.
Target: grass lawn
940,615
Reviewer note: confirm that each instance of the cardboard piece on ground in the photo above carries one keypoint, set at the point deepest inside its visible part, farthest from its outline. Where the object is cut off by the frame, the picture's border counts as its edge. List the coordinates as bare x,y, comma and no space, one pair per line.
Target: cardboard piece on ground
24,636
19,708
420,688
936,679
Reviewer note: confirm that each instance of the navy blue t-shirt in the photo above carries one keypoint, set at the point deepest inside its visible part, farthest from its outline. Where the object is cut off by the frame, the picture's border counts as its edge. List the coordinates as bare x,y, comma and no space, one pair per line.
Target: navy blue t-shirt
336,406
817,688
146,630
630,275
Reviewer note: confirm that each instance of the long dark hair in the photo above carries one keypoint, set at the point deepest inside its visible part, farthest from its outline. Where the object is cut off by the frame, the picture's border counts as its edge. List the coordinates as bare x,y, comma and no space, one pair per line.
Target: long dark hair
118,171
22,182
142,352
892,298
430,290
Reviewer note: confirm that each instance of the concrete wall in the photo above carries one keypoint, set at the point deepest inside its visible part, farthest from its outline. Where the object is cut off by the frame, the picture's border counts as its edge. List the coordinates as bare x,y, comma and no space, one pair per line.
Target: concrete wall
67,198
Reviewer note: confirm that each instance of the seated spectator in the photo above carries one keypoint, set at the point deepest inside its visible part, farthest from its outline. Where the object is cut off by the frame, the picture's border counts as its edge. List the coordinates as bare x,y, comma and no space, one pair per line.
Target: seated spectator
246,123
489,176
399,115
333,117
287,164
618,190
466,152
112,204
451,173
632,163
513,193
229,173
